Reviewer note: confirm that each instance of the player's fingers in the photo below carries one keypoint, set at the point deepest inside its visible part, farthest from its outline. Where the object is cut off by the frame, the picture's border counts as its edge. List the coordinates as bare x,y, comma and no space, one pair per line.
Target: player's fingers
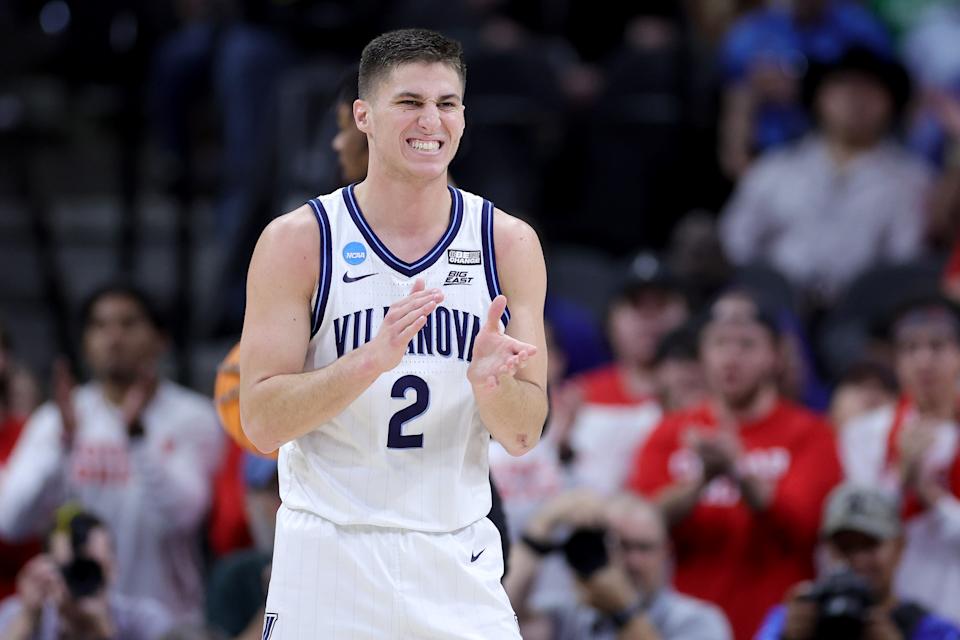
424,309
418,285
403,306
407,334
496,309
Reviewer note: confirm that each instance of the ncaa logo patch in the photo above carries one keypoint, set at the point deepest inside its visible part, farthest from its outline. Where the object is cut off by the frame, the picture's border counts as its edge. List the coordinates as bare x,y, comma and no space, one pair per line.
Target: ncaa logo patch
354,253
269,623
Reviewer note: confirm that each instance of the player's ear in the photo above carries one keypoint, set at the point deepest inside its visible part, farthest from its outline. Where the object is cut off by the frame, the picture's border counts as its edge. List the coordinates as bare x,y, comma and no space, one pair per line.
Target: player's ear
361,115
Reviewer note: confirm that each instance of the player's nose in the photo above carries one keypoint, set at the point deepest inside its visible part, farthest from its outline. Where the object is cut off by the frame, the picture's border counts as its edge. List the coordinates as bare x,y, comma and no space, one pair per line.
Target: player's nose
430,117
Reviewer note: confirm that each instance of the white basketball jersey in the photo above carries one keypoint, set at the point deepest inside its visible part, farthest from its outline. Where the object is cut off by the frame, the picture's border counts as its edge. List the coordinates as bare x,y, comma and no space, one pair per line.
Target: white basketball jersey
410,451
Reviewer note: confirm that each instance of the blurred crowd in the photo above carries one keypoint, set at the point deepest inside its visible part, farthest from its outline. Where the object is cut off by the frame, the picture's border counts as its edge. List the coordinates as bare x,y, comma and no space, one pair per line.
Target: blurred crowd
750,212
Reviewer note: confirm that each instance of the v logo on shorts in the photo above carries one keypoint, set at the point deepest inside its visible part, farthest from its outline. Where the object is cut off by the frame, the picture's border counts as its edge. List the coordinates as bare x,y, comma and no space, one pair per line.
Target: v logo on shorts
269,622
473,558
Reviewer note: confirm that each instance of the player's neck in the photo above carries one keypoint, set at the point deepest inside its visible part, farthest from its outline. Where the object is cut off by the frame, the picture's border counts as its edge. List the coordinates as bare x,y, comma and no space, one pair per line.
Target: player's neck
391,203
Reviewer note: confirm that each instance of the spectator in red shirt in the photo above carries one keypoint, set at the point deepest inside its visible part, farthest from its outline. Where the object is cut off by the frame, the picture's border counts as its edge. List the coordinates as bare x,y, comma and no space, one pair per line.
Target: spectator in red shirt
613,409
910,449
741,477
13,555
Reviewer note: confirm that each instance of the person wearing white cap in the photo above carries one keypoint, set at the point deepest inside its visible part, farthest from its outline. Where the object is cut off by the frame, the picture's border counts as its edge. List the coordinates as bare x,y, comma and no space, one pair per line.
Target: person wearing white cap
855,597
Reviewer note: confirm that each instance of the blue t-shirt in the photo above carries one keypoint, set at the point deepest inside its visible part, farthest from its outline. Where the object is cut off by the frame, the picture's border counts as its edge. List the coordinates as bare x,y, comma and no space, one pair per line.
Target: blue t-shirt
930,627
774,35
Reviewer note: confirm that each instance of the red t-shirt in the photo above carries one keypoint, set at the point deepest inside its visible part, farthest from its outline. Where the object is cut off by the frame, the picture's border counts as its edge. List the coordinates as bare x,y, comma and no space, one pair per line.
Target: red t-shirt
12,555
607,385
228,529
726,553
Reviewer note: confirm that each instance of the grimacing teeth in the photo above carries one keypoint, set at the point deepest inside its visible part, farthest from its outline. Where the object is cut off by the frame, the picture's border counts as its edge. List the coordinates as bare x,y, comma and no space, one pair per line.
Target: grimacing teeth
423,145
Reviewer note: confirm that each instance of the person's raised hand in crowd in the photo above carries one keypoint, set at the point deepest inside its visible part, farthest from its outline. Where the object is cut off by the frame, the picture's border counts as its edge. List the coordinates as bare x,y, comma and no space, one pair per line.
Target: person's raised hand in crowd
63,386
914,441
800,621
580,508
566,400
718,450
136,399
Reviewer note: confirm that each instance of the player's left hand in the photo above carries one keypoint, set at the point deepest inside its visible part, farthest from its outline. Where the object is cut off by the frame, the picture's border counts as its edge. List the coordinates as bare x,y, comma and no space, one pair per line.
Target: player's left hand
496,355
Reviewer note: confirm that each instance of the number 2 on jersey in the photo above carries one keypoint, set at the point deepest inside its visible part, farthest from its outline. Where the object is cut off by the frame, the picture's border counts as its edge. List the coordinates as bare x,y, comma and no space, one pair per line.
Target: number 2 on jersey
395,437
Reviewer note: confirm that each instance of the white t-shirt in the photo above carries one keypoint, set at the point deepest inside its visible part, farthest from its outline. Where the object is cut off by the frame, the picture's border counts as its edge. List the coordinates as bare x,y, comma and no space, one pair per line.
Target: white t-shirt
152,494
929,570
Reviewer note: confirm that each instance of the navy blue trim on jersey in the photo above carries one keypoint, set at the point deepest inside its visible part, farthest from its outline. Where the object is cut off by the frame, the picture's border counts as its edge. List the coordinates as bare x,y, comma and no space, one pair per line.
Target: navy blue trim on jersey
326,265
406,268
490,257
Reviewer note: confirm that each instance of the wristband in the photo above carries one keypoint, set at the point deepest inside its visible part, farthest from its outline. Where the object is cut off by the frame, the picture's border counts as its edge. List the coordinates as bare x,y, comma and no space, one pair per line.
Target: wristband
538,547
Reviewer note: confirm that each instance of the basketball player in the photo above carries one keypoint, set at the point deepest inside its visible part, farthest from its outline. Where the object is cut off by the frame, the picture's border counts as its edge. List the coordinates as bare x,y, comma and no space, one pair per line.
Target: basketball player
379,354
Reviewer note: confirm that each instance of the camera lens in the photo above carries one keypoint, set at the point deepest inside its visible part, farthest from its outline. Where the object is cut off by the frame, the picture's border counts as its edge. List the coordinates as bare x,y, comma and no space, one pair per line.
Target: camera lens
83,576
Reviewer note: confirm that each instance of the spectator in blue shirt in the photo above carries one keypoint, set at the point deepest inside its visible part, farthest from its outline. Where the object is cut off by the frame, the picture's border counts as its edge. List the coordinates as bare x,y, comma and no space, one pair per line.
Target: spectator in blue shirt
863,537
764,56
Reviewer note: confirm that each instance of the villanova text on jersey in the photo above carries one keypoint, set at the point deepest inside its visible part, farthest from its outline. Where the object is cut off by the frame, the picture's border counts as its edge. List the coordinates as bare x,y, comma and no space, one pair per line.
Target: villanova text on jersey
411,451
448,333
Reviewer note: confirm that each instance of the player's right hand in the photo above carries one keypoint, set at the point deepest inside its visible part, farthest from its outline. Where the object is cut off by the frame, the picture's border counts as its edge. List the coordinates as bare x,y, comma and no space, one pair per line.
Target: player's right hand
404,319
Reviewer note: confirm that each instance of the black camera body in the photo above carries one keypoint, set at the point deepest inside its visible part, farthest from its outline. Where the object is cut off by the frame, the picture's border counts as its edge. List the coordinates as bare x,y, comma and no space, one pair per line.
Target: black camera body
843,600
586,551
83,577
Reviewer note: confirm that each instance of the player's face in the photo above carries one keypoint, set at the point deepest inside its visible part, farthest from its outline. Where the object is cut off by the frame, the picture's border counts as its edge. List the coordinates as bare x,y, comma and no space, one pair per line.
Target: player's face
120,340
739,359
928,360
351,146
414,120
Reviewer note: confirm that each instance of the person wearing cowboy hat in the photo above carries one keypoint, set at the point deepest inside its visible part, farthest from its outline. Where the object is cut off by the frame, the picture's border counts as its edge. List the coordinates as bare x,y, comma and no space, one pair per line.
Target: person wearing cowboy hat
844,198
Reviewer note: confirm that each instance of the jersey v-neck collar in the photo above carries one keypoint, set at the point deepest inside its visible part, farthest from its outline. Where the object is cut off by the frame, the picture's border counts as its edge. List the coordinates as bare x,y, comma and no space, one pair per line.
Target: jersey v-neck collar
408,269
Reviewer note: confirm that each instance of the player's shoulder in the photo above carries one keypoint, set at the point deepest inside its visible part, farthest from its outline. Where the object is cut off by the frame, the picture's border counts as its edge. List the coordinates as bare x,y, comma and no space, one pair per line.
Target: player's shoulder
512,230
289,245
297,226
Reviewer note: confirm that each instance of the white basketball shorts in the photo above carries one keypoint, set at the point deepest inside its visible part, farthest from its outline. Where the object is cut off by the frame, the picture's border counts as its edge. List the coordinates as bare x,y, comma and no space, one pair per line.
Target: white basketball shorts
332,582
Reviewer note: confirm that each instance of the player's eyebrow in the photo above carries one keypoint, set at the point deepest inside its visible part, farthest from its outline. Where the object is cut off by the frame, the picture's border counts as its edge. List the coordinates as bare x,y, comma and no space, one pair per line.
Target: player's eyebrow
416,96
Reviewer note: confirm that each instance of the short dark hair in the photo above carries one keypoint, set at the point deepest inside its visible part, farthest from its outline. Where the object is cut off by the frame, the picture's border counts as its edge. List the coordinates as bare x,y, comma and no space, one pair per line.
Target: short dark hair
347,90
125,290
679,344
388,51
925,306
762,313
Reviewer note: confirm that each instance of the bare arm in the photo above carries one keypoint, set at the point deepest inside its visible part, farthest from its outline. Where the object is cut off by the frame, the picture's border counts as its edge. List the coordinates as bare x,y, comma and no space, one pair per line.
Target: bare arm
509,371
278,401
